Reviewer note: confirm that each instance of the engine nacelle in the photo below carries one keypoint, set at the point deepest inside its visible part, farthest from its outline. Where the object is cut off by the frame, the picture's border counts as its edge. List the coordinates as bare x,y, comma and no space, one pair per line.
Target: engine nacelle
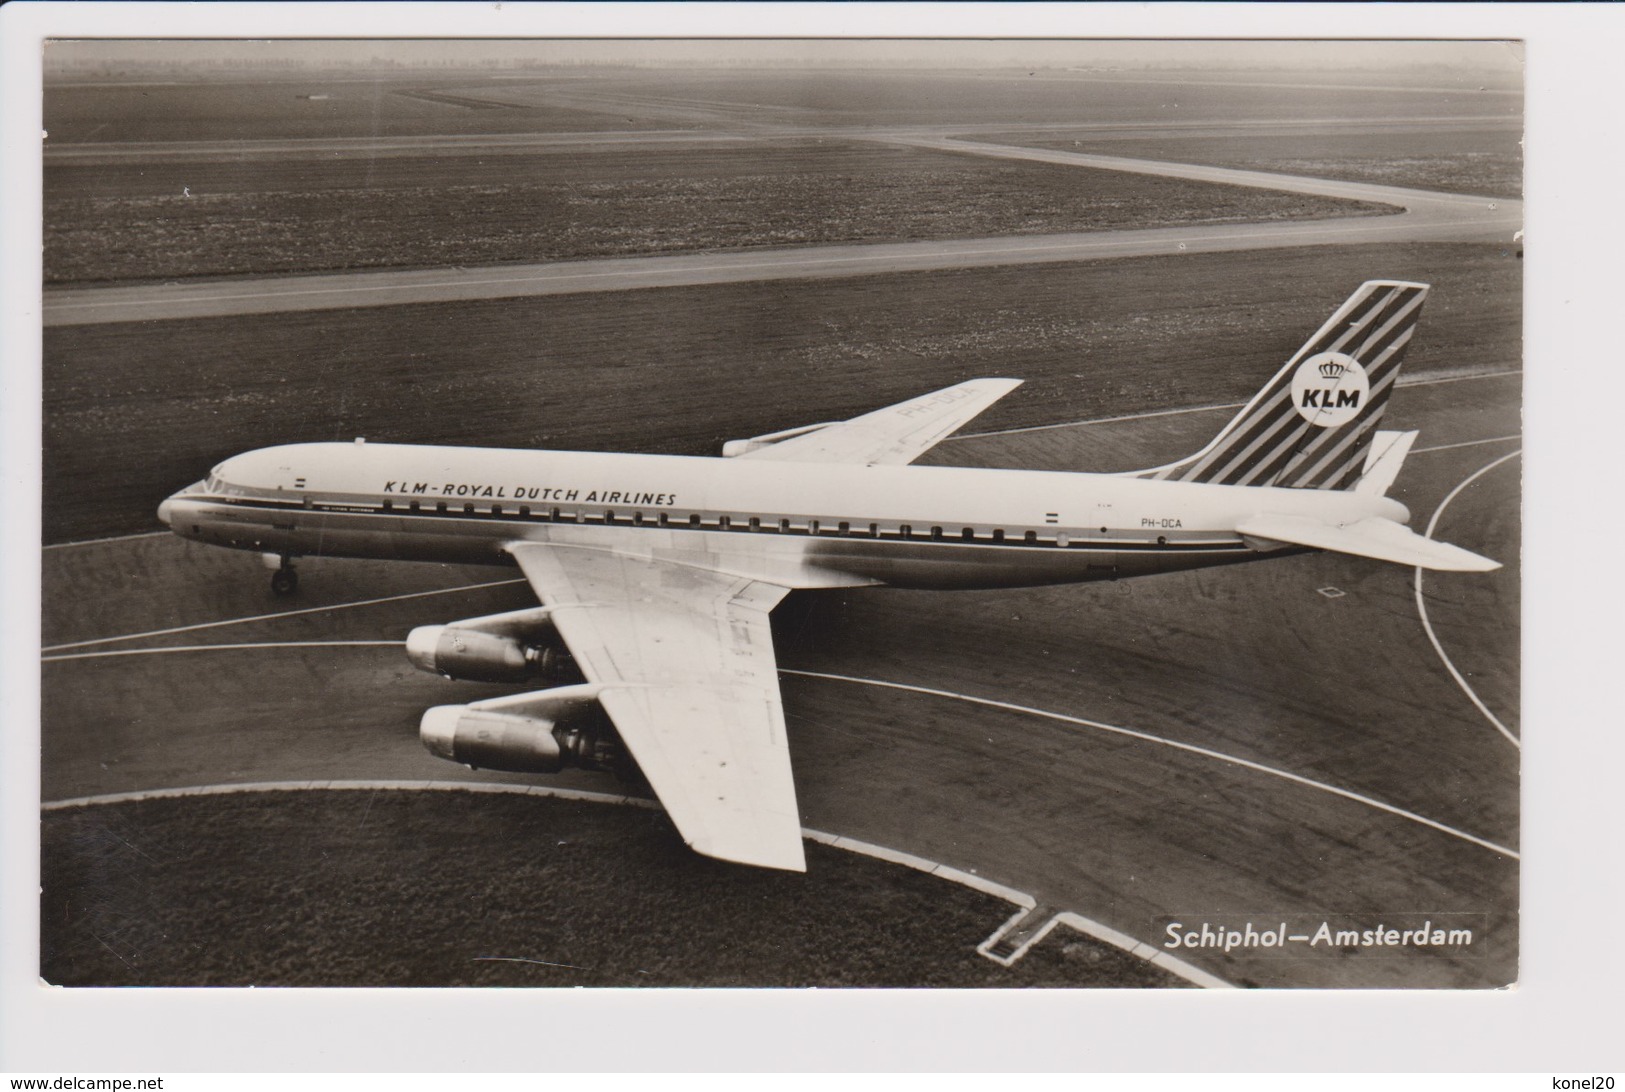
538,733
459,652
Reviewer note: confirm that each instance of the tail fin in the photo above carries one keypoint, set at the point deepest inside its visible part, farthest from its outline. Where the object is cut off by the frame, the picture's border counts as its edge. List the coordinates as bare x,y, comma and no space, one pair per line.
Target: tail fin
1311,425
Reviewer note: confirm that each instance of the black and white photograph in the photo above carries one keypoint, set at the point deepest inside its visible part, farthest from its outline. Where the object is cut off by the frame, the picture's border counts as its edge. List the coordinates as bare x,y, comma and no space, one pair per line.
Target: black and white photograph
563,537
781,513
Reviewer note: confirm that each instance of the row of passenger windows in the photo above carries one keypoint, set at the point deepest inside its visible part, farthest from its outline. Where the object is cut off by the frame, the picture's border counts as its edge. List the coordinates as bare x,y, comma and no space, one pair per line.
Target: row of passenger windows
719,523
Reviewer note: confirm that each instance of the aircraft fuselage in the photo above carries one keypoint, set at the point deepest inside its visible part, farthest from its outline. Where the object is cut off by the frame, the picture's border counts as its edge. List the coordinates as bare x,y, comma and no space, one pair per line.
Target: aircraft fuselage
796,525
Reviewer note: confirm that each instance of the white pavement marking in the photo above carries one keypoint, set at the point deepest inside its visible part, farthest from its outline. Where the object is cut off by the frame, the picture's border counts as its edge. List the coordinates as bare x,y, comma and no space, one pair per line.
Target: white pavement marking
1421,604
1106,934
1423,380
99,541
278,614
1021,900
217,648
899,686
1191,748
1433,379
1467,443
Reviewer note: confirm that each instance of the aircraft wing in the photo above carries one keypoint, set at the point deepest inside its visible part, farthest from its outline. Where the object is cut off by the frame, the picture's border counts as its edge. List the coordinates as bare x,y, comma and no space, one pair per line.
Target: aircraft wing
684,661
1378,538
897,434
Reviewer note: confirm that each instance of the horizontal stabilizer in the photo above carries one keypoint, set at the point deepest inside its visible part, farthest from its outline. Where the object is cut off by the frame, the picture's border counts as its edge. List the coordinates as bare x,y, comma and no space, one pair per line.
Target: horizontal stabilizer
1374,537
1383,461
892,436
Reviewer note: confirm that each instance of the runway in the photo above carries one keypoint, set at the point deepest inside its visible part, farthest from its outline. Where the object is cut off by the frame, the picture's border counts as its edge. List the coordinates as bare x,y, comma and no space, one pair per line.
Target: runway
1421,216
578,143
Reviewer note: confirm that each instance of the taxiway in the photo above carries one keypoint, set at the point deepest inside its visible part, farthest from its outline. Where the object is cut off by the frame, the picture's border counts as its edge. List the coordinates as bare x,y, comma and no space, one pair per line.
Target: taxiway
1216,743
1293,739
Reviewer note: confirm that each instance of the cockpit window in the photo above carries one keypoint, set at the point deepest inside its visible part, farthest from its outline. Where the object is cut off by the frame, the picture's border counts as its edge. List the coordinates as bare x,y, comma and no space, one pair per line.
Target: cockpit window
215,485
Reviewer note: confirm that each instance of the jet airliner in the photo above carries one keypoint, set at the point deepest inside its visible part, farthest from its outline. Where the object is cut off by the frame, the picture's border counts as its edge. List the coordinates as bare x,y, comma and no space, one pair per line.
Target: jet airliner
656,574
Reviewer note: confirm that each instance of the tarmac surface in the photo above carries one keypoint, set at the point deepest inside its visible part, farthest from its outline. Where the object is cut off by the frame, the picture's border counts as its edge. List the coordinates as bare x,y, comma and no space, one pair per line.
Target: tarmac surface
1252,743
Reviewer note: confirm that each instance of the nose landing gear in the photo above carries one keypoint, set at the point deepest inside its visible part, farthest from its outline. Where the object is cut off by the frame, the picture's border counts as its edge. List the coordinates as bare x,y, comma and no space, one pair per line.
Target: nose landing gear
285,581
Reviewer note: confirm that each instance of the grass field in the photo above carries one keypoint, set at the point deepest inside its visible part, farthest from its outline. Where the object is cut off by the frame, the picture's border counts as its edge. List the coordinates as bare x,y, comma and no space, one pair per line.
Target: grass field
135,411
314,105
438,889
145,220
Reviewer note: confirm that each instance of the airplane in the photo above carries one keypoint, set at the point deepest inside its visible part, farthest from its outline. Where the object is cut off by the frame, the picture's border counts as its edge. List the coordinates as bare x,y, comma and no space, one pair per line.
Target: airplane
656,573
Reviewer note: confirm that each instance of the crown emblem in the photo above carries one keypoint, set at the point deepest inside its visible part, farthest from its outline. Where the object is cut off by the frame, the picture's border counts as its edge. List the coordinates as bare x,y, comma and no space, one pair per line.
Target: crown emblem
1332,369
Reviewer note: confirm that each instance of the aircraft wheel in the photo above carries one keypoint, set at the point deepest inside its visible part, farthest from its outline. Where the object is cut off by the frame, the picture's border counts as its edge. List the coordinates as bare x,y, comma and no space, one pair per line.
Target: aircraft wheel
284,582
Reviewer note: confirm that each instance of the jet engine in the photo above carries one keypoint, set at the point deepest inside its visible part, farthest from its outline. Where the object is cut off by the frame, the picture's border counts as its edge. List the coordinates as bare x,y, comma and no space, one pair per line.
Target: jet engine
517,647
529,733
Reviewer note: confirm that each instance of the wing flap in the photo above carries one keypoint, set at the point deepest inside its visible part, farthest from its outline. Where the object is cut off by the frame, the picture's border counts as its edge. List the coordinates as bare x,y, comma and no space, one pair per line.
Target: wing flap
683,658
894,435
1382,539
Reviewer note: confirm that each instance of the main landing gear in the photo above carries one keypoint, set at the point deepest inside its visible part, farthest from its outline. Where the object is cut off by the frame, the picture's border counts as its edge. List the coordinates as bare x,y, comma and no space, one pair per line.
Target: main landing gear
285,581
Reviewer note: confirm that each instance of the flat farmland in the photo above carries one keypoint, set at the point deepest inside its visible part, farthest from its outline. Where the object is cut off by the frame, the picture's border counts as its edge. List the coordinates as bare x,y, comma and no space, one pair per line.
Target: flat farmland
1475,160
135,411
140,219
317,105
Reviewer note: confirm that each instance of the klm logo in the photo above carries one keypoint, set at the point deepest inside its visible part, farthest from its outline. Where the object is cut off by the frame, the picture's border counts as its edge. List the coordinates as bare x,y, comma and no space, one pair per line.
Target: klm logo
1324,399
1330,389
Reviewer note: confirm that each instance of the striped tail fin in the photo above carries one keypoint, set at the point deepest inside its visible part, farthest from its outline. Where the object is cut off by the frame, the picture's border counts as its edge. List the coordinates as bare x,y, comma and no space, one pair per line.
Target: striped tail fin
1311,425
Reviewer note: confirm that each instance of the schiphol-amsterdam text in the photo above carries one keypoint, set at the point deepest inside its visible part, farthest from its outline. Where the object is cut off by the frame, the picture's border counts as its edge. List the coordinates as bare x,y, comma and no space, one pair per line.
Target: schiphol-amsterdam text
1323,936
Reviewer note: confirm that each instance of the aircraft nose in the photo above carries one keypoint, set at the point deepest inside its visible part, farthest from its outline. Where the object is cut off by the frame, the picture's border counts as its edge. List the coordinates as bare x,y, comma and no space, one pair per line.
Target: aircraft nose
165,509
